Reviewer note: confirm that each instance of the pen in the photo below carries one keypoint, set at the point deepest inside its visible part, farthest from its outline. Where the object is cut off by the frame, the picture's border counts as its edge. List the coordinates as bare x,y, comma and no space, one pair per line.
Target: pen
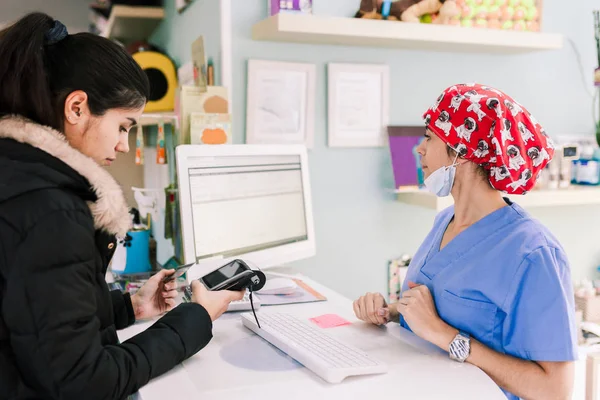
210,74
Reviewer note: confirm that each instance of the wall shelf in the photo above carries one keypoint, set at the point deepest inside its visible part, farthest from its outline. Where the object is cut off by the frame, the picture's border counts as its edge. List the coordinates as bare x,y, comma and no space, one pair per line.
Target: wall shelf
298,28
148,119
573,196
132,23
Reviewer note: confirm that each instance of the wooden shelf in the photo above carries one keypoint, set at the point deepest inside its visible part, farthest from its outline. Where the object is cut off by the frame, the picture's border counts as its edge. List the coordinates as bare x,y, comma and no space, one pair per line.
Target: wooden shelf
573,196
131,23
298,28
148,119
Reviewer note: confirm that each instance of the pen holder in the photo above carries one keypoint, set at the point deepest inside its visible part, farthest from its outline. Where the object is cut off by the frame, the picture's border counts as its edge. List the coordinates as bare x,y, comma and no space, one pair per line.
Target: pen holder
137,244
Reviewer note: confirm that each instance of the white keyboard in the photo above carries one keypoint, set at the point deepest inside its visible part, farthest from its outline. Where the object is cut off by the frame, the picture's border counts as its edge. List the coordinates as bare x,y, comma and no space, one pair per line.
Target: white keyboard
327,357
244,304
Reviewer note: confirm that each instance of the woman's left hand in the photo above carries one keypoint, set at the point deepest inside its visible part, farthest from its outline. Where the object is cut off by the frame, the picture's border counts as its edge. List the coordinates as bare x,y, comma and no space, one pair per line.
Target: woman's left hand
419,312
155,297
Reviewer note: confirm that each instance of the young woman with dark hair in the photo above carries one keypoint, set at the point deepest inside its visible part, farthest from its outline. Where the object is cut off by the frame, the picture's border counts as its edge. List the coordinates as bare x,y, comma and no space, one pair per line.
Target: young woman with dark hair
67,104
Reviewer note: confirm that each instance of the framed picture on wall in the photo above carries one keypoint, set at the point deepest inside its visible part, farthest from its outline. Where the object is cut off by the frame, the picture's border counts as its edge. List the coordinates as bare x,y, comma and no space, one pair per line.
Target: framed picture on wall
280,104
358,105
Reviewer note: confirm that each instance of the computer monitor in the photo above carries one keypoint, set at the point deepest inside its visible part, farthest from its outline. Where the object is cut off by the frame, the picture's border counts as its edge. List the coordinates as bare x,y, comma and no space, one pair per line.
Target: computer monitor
251,202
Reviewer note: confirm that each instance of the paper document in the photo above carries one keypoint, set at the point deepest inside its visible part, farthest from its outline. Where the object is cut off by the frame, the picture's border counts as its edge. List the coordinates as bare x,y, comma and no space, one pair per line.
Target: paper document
302,294
281,102
358,108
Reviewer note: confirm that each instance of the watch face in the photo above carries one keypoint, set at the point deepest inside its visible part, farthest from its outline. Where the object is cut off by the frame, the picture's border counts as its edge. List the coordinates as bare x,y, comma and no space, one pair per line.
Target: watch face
460,348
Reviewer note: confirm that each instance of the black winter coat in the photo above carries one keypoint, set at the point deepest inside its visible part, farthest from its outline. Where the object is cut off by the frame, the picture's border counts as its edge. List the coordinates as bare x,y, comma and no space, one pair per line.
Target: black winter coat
59,214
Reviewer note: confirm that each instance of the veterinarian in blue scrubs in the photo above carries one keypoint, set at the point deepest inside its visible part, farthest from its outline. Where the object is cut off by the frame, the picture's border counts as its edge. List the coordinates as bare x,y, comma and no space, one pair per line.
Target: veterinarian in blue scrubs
490,285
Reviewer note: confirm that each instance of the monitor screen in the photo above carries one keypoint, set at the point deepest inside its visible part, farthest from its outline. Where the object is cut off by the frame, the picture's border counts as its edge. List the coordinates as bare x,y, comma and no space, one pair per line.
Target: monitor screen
246,203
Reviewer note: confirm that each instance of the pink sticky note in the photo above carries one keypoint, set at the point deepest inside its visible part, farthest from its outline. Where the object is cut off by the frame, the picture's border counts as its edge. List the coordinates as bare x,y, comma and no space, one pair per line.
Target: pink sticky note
330,321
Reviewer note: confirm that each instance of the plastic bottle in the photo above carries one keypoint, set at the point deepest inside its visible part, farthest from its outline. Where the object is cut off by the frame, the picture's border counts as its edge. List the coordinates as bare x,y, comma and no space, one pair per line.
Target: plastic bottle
586,170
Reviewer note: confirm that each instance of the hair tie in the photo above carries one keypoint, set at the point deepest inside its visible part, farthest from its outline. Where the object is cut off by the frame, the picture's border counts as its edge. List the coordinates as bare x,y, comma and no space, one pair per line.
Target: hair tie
55,34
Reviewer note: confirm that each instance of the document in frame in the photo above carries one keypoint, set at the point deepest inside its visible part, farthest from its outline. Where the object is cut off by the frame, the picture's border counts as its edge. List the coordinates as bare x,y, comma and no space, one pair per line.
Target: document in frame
281,105
358,108
358,105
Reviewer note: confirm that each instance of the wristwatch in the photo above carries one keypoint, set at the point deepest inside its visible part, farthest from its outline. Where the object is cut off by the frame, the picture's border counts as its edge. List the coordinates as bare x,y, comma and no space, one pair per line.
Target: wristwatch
460,347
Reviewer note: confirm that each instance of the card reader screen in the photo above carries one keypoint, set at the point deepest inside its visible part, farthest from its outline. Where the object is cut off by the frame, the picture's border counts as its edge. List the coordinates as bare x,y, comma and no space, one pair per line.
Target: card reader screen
222,274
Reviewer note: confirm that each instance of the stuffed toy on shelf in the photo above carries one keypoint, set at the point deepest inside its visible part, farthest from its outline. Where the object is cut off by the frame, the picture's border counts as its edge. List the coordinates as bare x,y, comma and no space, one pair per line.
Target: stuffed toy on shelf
410,10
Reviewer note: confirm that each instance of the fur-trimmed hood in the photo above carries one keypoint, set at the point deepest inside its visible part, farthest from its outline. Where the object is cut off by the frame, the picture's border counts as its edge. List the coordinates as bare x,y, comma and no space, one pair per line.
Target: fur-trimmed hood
110,210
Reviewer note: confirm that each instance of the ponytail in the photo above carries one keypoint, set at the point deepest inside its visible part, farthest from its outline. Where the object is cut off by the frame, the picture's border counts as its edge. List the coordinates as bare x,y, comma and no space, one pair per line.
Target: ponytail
41,64
24,87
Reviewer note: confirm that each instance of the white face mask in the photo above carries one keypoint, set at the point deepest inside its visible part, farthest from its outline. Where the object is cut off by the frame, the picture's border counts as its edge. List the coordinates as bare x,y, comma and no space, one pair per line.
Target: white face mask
440,182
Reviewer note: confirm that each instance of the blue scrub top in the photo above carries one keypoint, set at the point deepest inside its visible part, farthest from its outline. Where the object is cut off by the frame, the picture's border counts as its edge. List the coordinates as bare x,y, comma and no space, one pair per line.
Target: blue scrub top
505,280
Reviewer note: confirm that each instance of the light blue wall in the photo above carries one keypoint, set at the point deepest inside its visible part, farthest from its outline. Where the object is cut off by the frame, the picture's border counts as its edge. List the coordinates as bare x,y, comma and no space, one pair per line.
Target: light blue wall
178,31
358,225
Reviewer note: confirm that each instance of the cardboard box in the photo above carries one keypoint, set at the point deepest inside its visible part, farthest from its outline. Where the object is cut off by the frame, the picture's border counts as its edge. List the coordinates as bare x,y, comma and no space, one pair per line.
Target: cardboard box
294,6
403,141
192,99
210,128
590,306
